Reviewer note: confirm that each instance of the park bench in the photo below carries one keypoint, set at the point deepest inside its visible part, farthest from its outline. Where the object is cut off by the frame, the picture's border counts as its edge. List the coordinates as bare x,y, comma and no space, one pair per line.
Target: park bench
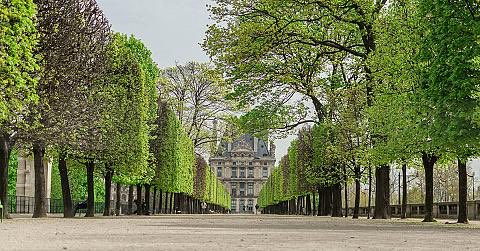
80,205
1,207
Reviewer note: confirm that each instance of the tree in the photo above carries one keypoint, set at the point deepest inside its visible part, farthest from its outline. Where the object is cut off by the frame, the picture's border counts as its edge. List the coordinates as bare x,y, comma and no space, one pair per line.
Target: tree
18,65
447,51
73,35
128,110
196,93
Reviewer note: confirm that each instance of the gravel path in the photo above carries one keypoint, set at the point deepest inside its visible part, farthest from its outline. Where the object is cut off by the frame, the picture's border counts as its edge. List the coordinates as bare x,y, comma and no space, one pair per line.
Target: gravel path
233,232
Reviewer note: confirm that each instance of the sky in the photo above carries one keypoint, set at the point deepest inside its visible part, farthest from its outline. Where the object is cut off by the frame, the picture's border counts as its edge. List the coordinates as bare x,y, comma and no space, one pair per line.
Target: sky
172,29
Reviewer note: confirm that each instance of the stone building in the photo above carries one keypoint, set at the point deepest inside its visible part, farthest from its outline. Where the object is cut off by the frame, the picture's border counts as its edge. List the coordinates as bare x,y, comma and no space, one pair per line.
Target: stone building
26,177
244,165
25,186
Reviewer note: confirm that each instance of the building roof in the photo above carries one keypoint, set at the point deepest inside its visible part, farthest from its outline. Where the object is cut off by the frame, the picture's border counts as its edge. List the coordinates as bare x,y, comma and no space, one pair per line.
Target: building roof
244,144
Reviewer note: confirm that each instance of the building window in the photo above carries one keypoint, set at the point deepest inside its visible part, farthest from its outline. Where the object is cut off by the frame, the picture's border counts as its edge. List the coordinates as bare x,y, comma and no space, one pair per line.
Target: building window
265,172
250,172
242,205
234,172
250,205
234,189
250,188
219,163
250,163
242,188
219,171
234,205
265,163
242,172
234,163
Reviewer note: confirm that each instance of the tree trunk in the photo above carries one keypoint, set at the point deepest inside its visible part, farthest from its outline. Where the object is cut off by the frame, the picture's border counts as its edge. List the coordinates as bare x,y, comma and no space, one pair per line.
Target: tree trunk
160,201
337,200
309,205
166,203
176,202
5,151
314,211
154,209
320,202
171,202
40,209
90,189
462,191
369,191
66,193
404,195
139,200
118,198
130,200
428,164
147,200
108,188
356,209
327,204
346,196
382,192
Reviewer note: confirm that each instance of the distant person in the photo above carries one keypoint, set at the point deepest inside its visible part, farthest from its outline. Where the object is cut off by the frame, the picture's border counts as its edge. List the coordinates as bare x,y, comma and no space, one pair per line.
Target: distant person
256,208
204,206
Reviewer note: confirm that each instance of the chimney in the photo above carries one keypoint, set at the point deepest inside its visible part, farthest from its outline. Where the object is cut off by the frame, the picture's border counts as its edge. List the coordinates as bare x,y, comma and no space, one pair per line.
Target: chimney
272,148
255,145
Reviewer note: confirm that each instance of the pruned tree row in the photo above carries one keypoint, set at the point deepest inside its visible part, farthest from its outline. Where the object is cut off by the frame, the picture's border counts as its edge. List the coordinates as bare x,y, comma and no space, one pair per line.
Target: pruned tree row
75,91
180,172
304,178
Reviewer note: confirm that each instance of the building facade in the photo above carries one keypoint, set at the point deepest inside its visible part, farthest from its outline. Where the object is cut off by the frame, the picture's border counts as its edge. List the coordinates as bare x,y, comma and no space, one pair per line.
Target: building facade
26,177
244,165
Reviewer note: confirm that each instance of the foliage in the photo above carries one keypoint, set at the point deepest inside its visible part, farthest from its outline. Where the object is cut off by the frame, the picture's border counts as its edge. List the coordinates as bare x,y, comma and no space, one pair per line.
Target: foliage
196,93
12,173
18,63
73,37
129,109
174,154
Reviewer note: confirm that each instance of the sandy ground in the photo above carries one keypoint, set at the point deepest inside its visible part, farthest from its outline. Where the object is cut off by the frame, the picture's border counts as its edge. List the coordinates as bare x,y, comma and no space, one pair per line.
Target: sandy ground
233,232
